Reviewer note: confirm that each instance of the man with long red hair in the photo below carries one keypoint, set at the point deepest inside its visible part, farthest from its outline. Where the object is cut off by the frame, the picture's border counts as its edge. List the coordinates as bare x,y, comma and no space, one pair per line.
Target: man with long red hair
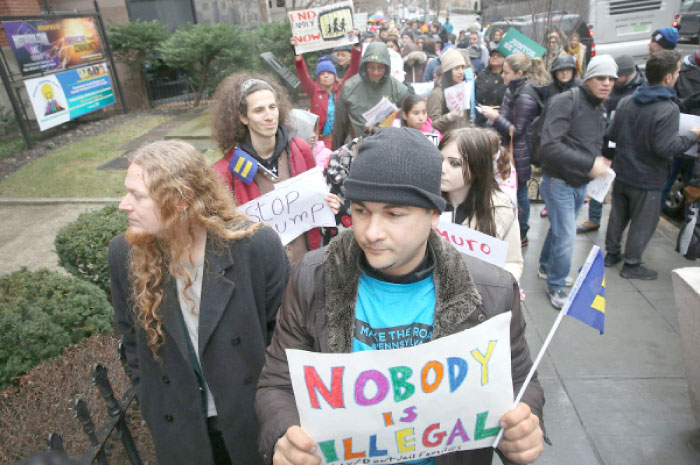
195,290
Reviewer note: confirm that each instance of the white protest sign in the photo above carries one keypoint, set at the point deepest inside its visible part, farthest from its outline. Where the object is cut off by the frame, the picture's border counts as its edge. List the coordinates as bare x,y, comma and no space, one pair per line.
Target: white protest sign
434,138
458,96
598,188
322,28
361,20
686,123
295,206
379,113
389,406
423,88
474,243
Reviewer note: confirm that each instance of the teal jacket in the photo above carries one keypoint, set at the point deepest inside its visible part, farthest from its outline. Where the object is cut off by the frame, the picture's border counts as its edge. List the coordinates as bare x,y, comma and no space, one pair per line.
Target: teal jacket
360,94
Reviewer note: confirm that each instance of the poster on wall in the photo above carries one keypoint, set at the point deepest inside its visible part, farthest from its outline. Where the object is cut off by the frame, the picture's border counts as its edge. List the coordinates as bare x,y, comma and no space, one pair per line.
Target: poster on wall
322,28
65,96
53,44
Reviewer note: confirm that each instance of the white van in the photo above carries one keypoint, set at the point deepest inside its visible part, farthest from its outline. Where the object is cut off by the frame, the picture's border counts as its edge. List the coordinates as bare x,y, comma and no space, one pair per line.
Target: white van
625,26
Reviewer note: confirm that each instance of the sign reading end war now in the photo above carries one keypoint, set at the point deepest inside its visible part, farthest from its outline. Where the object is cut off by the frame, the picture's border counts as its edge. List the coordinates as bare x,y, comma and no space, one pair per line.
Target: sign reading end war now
515,41
389,406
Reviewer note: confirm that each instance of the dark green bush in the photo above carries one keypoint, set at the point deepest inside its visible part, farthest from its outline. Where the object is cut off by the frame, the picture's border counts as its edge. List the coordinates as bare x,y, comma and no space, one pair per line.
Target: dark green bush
82,245
41,313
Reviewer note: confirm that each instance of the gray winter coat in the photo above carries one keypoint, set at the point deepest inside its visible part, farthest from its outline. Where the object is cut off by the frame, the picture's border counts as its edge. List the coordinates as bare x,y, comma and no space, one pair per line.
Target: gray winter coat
318,314
241,291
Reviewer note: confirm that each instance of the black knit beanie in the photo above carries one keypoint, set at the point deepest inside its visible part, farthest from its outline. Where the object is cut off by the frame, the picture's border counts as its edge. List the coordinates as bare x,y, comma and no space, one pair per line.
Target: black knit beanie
399,166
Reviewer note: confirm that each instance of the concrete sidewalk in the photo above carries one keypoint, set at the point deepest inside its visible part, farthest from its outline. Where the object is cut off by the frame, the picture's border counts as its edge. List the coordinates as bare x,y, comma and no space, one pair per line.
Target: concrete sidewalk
619,398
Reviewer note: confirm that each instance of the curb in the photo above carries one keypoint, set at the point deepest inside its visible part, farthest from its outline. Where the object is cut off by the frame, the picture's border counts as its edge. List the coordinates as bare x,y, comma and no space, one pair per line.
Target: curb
30,202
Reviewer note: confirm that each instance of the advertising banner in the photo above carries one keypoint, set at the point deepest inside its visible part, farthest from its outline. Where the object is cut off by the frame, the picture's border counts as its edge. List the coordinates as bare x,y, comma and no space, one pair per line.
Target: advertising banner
65,96
393,406
53,44
322,28
515,41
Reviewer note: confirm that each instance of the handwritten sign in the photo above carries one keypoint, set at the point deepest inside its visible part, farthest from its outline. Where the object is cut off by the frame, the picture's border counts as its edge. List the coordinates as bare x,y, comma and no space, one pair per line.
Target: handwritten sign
516,42
389,406
423,88
322,28
458,96
295,206
474,243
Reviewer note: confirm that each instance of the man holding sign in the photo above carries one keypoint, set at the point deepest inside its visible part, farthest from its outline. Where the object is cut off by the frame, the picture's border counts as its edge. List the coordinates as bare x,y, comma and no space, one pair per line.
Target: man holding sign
391,282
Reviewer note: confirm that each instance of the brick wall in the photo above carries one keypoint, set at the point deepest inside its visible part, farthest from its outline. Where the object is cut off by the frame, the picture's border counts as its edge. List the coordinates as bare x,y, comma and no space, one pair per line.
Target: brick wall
17,8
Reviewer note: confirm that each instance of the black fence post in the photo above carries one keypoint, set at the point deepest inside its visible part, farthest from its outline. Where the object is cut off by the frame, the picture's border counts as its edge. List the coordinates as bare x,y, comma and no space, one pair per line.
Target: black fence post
100,379
23,126
83,414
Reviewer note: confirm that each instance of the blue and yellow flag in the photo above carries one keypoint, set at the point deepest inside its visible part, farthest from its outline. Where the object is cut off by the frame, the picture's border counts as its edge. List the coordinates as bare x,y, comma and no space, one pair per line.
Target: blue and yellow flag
243,166
588,302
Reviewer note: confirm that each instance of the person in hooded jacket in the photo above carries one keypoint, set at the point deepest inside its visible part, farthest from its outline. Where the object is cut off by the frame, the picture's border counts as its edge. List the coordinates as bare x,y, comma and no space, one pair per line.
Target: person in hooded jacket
324,91
514,122
646,132
363,91
563,78
629,77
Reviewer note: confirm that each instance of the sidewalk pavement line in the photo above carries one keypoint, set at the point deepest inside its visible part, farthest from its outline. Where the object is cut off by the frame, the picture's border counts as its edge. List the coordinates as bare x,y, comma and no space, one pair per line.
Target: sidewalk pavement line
30,201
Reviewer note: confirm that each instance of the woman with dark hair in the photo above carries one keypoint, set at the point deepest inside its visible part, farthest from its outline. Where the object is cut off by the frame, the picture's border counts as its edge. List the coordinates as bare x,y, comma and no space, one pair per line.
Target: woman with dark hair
514,122
473,197
248,122
453,72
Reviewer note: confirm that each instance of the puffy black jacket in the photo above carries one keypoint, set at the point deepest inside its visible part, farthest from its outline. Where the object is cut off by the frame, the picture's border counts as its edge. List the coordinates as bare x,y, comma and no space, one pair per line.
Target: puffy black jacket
572,137
518,109
489,90
645,130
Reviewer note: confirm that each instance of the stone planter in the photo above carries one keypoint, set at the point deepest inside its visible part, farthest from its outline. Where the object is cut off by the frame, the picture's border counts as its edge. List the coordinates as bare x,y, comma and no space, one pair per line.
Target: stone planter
686,288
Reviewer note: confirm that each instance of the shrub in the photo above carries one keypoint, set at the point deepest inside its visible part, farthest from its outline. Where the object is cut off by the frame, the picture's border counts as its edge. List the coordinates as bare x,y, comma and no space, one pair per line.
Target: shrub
82,245
41,312
204,51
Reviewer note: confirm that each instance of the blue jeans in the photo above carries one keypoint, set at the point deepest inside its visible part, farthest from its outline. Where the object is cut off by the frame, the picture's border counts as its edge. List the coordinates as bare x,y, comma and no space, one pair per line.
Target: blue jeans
523,209
563,203
595,211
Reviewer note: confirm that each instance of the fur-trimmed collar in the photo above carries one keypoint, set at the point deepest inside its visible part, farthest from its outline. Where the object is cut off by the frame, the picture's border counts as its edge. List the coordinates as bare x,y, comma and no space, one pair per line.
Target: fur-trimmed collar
456,293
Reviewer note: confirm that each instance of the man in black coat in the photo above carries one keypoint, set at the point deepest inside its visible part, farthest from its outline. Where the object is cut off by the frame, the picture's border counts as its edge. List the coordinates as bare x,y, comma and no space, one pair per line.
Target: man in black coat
645,130
629,77
195,290
572,142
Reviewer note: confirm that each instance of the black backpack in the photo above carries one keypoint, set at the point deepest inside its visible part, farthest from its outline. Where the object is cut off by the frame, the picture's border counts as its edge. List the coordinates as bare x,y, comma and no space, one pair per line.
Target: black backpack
535,139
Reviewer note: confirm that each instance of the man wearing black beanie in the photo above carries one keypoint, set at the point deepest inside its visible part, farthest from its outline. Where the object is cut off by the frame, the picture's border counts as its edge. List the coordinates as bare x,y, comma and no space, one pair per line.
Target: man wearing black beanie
337,299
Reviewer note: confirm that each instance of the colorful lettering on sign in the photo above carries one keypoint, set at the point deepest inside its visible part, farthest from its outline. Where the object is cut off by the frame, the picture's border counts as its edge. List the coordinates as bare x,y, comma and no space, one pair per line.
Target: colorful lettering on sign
484,361
405,440
479,431
379,380
314,384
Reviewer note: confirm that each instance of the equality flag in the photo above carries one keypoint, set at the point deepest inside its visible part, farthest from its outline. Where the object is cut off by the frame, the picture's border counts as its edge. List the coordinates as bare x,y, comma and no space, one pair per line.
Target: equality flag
243,166
587,303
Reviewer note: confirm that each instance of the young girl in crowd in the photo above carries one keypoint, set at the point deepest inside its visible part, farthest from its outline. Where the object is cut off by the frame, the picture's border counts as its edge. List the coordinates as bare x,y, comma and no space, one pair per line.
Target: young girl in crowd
414,114
324,90
469,185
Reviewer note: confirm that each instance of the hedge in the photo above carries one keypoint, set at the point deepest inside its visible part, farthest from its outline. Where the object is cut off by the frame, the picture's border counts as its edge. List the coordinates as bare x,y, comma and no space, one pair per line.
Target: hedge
42,312
82,245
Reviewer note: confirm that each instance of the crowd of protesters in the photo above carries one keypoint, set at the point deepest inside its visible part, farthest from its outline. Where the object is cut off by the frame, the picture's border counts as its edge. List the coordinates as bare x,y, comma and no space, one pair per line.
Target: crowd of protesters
200,292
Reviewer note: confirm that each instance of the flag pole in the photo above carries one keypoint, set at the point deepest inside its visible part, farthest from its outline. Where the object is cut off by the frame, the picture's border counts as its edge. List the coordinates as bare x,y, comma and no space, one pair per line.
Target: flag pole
581,277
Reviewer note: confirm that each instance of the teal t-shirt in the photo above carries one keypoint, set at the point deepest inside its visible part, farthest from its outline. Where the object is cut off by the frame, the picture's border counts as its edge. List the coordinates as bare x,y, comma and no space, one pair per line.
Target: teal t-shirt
394,316
330,116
